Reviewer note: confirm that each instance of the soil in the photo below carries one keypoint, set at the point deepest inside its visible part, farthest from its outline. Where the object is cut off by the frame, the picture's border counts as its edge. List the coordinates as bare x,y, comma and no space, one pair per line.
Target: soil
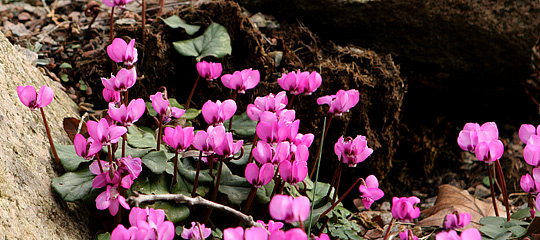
411,124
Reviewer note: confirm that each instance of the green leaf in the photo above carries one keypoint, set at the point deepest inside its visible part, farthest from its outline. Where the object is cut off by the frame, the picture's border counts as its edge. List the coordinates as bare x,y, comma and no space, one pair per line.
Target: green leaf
215,41
492,231
175,212
492,220
64,77
65,65
235,194
188,169
139,138
73,186
320,195
104,236
263,193
503,236
191,114
521,213
176,22
150,109
155,184
242,125
69,159
518,231
317,213
82,85
156,161
245,157
133,152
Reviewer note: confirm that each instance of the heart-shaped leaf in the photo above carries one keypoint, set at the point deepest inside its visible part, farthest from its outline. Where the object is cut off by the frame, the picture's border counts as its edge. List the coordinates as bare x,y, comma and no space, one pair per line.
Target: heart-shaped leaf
69,159
243,126
155,184
139,138
176,22
156,161
73,186
175,212
215,41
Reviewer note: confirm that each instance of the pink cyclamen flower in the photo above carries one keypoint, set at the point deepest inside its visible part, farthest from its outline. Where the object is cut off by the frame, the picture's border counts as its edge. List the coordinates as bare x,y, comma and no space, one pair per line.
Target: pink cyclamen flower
489,147
33,100
351,151
111,199
271,103
233,233
293,233
468,137
124,80
271,226
300,82
293,172
194,232
341,102
529,183
215,113
128,169
209,70
404,208
531,152
228,147
120,51
162,106
104,133
179,138
101,179
111,96
526,131
86,149
289,209
241,80
259,178
457,220
407,235
468,234
370,191
131,114
117,3
323,236
146,223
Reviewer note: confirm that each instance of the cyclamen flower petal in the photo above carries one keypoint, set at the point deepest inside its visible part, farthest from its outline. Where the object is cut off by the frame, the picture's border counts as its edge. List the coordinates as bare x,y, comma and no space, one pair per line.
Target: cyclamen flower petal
455,220
531,152
179,138
103,133
233,233
241,81
33,100
468,234
289,209
405,235
228,147
404,208
111,96
85,149
526,131
256,233
370,192
489,151
527,183
312,83
120,51
468,137
117,3
341,102
131,114
111,199
209,70
294,172
352,151
215,113
124,80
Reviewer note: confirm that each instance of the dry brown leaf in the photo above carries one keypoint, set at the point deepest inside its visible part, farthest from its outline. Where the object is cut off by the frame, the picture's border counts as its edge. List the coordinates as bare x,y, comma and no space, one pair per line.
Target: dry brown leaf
452,199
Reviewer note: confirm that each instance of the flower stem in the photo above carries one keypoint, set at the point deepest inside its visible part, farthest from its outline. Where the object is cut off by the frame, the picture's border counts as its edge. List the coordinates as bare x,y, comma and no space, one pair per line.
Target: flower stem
51,143
255,139
341,198
143,13
124,140
316,179
196,182
110,155
249,200
99,163
492,189
218,179
388,229
192,92
160,126
175,167
503,186
290,102
333,184
319,151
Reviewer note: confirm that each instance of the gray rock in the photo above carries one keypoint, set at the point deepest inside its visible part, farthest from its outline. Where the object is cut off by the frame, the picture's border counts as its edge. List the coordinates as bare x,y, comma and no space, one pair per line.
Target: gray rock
29,208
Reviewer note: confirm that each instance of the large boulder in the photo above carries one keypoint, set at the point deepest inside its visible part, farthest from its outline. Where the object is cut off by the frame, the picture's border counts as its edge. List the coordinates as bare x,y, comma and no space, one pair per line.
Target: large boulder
29,208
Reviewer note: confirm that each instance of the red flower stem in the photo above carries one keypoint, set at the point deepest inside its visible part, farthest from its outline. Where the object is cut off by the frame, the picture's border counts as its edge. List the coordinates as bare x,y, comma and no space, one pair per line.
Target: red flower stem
192,92
249,200
143,13
196,182
110,155
301,224
51,143
111,30
230,120
99,163
216,188
290,102
124,140
175,166
492,189
333,183
319,150
503,186
337,184
255,139
341,198
388,229
160,126
277,181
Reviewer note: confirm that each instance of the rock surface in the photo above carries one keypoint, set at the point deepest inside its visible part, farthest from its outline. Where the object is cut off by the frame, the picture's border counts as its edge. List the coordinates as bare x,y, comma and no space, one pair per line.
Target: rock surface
29,208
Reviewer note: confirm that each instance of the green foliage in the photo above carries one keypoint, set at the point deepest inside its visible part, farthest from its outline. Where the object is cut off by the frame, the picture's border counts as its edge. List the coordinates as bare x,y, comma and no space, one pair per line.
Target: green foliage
215,41
499,228
65,65
74,186
176,22
104,236
175,212
69,159
156,161
242,126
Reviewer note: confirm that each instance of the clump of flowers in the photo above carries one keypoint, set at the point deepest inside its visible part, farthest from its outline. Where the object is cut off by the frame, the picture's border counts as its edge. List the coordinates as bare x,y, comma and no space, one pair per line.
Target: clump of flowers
145,223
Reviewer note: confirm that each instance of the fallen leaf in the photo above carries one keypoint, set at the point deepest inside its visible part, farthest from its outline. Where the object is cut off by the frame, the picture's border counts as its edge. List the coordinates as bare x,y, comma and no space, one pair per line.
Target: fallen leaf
71,125
452,199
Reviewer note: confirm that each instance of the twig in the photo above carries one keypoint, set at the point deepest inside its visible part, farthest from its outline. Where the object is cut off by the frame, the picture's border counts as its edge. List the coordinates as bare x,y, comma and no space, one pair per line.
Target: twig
136,199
